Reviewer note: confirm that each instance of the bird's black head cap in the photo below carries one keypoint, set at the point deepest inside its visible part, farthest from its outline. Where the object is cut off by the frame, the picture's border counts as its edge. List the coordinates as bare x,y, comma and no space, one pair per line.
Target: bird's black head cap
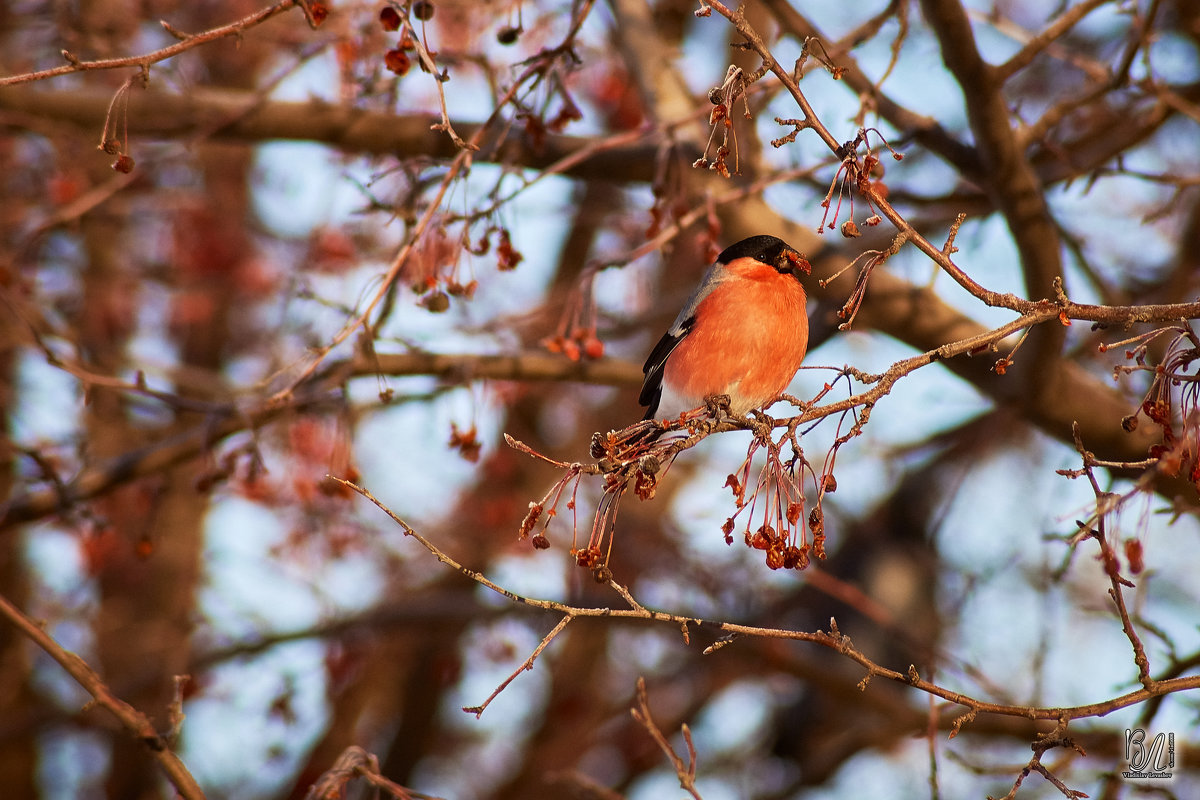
769,250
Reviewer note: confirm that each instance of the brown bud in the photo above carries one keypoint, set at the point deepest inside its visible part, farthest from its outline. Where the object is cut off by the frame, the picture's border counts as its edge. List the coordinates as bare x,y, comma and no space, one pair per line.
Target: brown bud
397,61
437,302
422,10
389,19
1134,555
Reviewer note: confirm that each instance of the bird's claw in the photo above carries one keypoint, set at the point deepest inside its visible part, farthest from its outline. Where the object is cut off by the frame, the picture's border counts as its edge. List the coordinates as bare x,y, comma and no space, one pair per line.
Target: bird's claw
763,423
717,405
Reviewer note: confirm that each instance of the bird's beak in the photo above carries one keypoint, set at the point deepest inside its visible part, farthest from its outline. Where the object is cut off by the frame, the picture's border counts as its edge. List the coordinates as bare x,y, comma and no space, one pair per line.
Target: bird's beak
794,262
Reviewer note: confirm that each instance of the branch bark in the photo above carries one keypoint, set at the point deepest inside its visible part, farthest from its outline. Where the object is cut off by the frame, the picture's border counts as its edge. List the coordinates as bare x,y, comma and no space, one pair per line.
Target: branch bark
1009,179
249,117
130,718
832,639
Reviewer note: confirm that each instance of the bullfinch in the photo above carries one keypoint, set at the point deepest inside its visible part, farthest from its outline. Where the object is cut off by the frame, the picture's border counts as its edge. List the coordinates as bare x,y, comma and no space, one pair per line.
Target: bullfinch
742,333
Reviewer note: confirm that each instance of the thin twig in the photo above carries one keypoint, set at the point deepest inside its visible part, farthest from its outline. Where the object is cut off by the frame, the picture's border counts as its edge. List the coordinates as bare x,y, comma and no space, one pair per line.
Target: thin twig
130,718
832,639
355,762
146,59
685,772
1111,565
528,665
460,165
756,43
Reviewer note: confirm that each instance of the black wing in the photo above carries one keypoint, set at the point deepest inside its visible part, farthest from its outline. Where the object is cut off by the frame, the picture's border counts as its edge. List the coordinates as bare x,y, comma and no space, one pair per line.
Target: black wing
653,369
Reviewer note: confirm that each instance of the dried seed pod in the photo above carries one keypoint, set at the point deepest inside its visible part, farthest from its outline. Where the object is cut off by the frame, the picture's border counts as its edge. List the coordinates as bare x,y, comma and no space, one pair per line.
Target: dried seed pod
389,19
422,10
437,302
397,61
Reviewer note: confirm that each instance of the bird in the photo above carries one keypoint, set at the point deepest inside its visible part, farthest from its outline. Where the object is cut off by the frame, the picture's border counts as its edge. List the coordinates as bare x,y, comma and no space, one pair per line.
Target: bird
743,333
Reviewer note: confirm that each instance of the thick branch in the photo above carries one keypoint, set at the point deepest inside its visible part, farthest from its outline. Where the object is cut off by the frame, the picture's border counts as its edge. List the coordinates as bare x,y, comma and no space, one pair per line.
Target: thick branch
248,117
1011,181
95,480
530,366
915,316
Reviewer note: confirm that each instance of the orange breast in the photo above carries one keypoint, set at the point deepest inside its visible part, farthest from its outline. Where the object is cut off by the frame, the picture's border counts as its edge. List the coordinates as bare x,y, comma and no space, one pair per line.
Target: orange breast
748,341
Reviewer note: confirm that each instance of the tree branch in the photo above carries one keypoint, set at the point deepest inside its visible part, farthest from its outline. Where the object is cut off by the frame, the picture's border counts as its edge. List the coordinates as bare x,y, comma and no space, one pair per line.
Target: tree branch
144,61
130,718
925,131
1011,181
915,316
832,639
93,481
248,117
685,772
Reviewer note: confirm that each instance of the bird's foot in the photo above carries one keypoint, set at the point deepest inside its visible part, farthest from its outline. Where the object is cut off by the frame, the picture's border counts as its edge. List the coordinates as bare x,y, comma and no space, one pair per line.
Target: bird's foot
761,422
717,405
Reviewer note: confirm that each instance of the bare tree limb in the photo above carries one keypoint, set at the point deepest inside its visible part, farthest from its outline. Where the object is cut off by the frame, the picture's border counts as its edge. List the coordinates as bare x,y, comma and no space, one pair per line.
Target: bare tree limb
685,772
1036,45
144,61
1011,181
832,639
924,130
1078,395
130,718
354,763
248,117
